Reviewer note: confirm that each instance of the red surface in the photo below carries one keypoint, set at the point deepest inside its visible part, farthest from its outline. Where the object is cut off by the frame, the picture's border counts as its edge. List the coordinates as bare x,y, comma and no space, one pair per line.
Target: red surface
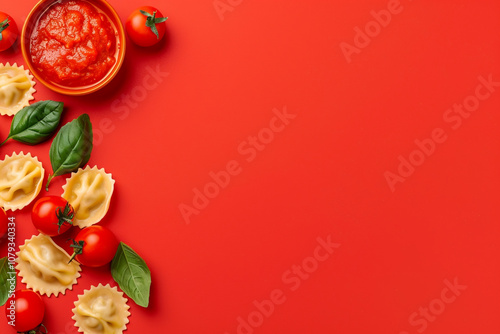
395,253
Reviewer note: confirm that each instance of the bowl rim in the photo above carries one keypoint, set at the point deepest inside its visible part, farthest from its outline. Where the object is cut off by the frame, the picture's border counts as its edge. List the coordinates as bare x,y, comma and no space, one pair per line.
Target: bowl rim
74,91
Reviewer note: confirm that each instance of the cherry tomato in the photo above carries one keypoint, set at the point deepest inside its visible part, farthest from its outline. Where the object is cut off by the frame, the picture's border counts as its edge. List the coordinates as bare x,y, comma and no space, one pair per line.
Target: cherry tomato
94,246
52,215
24,310
8,31
4,222
146,26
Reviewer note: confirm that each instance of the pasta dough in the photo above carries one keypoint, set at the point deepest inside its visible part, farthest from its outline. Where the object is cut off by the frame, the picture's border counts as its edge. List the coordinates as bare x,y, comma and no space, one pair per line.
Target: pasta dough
44,266
21,177
16,88
89,191
101,310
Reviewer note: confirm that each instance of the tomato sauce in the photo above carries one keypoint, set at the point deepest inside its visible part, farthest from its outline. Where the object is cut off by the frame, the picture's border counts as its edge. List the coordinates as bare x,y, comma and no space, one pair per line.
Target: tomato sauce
73,44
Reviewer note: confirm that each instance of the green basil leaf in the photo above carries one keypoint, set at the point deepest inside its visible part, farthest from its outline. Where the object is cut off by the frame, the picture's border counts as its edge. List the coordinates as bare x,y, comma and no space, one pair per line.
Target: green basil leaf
35,123
132,274
7,274
71,147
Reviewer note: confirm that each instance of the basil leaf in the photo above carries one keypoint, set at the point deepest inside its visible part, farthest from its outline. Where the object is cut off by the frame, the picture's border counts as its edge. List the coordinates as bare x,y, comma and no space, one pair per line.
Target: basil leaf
7,274
71,147
35,123
132,274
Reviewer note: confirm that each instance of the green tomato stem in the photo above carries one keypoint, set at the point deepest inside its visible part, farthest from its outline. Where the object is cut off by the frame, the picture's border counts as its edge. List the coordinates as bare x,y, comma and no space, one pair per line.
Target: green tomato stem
64,216
3,25
77,249
152,20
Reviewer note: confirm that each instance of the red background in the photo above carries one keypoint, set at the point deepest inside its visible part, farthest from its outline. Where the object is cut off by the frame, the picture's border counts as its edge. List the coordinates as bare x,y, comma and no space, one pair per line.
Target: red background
322,175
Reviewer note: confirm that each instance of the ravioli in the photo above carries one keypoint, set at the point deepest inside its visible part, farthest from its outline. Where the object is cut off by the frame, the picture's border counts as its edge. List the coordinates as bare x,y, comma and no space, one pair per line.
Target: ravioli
89,191
21,177
44,266
16,88
101,310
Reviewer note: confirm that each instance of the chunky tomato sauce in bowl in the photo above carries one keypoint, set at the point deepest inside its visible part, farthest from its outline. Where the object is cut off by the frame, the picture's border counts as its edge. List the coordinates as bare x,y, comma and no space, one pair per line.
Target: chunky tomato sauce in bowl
73,47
